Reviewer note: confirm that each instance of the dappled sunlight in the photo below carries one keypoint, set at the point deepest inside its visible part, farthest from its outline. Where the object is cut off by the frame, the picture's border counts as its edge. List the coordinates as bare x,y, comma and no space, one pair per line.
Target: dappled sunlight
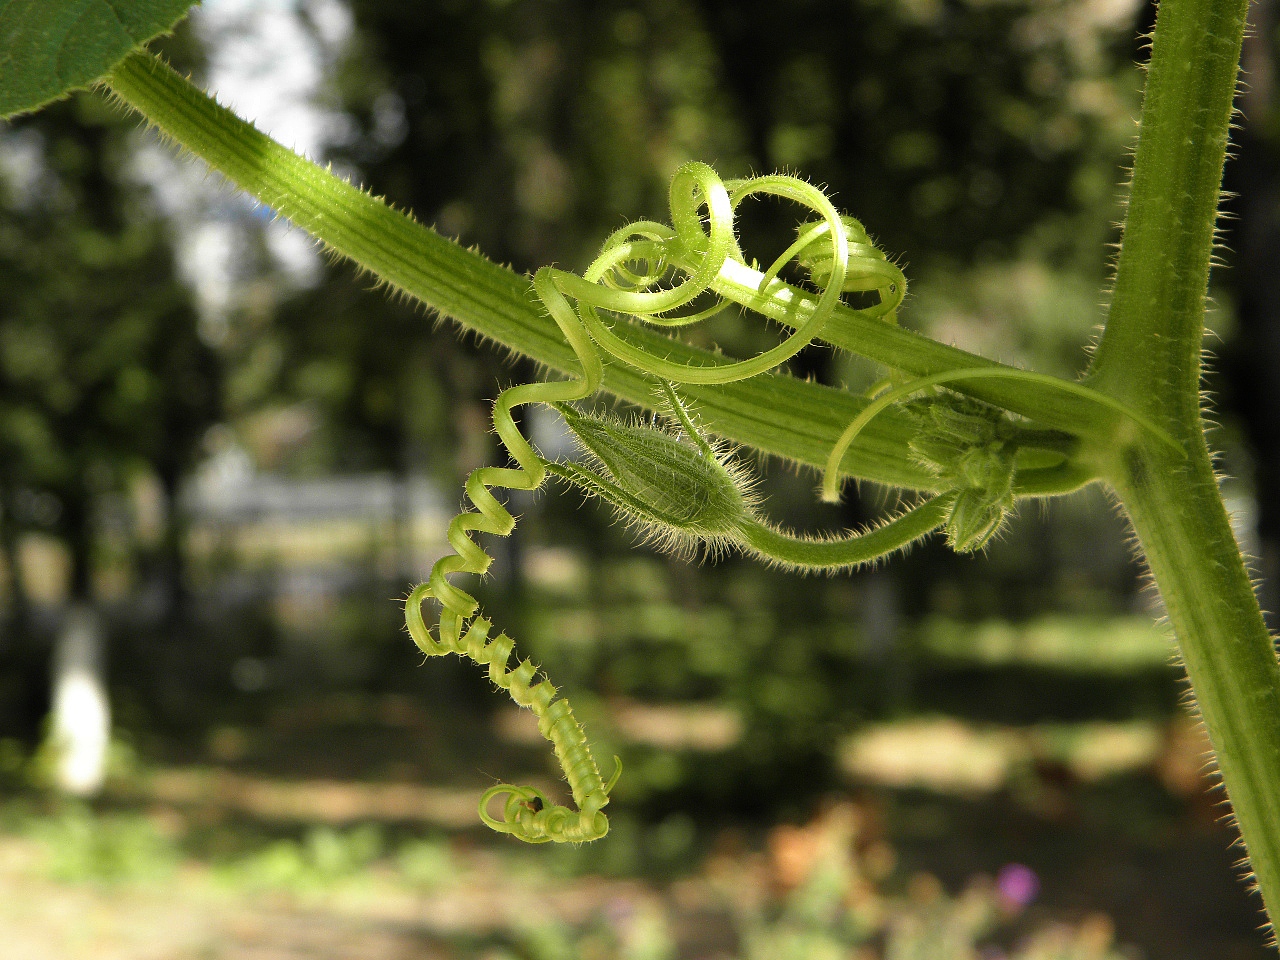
949,756
1087,644
225,792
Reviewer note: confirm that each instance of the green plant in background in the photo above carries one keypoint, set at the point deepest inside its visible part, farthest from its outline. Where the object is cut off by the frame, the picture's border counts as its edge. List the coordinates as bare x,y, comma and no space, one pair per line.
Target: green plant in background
994,436
322,858
122,848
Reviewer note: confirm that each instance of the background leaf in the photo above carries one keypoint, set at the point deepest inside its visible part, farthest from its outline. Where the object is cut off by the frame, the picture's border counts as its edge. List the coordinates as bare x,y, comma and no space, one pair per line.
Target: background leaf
48,49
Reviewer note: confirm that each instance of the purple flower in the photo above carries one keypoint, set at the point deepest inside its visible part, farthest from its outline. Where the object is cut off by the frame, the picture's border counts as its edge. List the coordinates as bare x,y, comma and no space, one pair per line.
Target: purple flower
1017,885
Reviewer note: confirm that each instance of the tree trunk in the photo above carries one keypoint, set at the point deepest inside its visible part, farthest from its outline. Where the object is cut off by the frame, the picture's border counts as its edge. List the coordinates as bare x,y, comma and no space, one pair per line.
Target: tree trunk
81,727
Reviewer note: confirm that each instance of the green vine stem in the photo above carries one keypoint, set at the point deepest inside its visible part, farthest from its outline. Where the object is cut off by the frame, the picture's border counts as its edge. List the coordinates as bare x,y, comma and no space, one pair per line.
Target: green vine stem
1149,358
776,414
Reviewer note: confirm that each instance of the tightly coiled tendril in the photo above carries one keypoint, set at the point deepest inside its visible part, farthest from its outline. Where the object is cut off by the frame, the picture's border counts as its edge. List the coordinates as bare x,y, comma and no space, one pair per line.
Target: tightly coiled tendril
630,277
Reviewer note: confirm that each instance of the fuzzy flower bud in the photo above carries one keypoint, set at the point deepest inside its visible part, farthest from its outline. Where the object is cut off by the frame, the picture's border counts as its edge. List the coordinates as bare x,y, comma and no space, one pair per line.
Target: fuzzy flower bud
673,488
968,444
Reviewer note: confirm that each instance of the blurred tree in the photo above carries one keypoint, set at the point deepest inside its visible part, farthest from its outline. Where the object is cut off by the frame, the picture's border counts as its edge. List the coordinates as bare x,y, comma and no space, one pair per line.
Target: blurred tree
102,379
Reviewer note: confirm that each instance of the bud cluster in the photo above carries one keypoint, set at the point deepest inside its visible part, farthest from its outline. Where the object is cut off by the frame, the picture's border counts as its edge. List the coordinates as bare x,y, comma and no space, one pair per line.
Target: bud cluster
969,445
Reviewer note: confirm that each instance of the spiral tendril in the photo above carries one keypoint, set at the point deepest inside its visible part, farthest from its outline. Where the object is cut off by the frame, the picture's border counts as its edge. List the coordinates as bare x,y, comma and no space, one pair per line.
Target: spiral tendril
652,273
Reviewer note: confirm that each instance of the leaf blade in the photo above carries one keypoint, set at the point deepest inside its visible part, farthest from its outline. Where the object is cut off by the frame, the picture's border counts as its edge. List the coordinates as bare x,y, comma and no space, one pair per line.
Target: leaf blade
50,47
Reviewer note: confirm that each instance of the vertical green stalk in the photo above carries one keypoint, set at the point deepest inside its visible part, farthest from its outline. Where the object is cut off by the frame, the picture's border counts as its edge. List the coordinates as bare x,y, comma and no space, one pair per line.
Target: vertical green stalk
1149,357
1229,657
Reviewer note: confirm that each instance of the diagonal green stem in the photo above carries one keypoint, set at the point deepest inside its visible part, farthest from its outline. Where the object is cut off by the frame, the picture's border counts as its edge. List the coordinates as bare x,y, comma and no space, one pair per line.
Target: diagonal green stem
780,415
776,414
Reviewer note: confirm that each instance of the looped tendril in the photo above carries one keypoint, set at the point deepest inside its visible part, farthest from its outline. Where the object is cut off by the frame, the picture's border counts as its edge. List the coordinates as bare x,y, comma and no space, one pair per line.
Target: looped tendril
628,276
528,815
461,631
555,721
631,277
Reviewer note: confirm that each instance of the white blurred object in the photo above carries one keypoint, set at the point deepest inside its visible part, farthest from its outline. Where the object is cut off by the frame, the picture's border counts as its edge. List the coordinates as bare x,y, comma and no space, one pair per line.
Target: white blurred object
81,729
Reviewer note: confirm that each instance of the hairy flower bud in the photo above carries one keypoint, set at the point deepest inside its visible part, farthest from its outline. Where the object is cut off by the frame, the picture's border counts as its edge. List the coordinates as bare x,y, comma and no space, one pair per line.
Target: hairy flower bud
674,488
969,445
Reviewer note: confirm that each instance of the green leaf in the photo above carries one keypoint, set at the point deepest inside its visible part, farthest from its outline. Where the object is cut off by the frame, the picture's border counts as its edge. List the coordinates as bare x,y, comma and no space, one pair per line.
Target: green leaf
50,47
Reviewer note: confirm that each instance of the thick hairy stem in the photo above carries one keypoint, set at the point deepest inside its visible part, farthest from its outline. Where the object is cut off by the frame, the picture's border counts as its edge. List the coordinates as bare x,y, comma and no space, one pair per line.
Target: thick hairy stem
1149,357
1229,656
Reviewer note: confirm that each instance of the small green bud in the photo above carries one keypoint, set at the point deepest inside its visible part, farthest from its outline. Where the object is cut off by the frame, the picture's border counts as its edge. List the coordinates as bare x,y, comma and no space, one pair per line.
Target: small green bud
967,444
675,489
950,426
978,514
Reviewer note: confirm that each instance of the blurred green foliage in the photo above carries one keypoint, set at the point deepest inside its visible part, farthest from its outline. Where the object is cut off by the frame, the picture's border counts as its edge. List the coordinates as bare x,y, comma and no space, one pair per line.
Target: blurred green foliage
105,386
323,858
84,847
101,372
951,128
